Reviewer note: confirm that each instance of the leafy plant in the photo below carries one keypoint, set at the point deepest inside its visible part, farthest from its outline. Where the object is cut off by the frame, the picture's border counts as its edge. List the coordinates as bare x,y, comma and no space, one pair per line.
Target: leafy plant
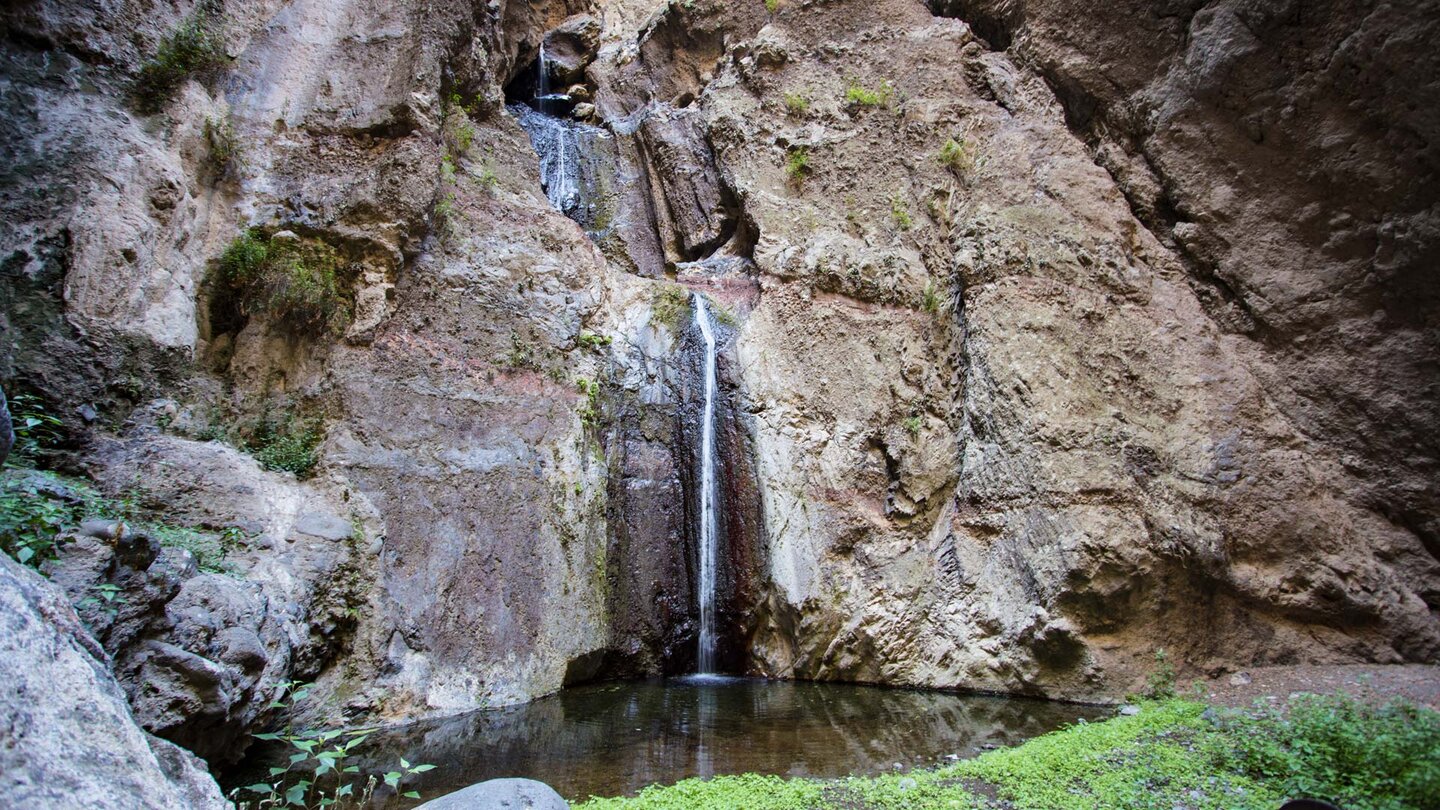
195,49
36,429
445,215
797,104
321,772
31,520
302,283
447,170
772,6
797,164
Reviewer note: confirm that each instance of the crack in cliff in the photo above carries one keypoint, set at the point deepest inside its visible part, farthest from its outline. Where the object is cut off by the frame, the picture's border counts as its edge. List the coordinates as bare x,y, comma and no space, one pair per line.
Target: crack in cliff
1086,117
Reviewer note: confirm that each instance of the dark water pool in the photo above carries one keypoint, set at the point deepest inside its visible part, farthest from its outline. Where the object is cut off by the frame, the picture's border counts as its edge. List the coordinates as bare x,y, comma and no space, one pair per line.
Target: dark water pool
615,738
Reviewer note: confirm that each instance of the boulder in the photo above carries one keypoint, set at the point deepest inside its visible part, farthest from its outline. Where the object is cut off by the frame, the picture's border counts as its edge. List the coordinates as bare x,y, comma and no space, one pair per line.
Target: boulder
500,794
70,740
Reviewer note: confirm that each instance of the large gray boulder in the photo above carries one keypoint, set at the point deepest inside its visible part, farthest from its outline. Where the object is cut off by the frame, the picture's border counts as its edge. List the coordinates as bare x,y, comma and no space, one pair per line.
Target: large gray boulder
500,794
68,737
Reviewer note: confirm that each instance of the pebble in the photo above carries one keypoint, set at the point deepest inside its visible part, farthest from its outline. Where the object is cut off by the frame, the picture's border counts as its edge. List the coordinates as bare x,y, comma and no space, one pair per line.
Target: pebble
1129,710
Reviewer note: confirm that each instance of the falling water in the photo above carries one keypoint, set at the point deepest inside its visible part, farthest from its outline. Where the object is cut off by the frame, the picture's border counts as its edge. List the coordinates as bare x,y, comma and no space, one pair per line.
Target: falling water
569,171
708,552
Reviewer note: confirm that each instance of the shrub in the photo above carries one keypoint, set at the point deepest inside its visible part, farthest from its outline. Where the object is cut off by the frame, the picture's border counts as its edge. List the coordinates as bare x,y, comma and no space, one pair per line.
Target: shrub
286,443
796,104
858,95
195,49
797,164
300,283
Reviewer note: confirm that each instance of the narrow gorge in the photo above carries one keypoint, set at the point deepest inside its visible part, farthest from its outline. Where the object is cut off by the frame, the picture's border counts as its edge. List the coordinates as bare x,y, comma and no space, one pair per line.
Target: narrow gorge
396,365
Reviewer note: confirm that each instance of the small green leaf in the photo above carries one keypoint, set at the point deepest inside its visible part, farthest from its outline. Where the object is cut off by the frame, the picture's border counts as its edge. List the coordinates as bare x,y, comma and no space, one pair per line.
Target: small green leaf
393,778
352,769
422,768
296,794
269,736
297,758
411,794
404,763
278,771
259,787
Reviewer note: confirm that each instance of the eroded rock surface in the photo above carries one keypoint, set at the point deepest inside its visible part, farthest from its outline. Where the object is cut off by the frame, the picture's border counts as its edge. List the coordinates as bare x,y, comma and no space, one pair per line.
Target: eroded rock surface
70,739
1048,342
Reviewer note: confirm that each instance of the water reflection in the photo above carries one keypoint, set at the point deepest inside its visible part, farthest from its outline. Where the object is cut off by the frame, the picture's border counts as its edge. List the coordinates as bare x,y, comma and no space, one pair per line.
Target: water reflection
612,739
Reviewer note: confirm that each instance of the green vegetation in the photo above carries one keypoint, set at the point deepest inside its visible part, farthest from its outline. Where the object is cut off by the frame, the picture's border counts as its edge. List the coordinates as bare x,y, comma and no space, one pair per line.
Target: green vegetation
487,176
447,170
959,156
772,6
912,426
670,307
1173,753
323,769
930,298
36,507
303,284
225,155
590,408
900,213
286,442
195,49
858,95
723,315
590,340
797,104
35,429
797,164
1160,683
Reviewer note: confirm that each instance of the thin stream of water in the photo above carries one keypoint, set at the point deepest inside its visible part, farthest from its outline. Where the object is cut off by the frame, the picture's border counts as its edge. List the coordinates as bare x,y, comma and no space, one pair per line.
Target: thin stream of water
709,553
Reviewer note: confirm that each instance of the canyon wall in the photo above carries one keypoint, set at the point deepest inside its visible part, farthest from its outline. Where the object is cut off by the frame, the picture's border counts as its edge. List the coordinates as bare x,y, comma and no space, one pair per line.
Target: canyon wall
1051,339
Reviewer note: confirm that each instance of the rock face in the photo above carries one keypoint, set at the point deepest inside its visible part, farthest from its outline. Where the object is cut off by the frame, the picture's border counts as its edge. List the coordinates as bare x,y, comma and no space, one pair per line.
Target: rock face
69,737
1048,342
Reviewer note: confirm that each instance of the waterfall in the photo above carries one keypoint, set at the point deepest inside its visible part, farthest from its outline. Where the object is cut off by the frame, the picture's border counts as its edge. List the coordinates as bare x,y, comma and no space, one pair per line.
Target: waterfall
570,172
709,555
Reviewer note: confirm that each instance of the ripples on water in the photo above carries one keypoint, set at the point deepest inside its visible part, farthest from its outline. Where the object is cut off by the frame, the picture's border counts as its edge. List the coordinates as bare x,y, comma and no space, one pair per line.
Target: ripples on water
615,738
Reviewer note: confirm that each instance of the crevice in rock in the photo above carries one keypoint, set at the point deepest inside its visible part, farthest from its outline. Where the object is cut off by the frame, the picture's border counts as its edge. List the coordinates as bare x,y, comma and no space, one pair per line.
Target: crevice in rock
1086,117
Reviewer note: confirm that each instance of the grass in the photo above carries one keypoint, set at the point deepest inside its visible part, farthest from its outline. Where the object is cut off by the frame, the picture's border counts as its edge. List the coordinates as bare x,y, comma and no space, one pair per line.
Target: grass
1174,753
797,104
858,95
301,283
195,49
